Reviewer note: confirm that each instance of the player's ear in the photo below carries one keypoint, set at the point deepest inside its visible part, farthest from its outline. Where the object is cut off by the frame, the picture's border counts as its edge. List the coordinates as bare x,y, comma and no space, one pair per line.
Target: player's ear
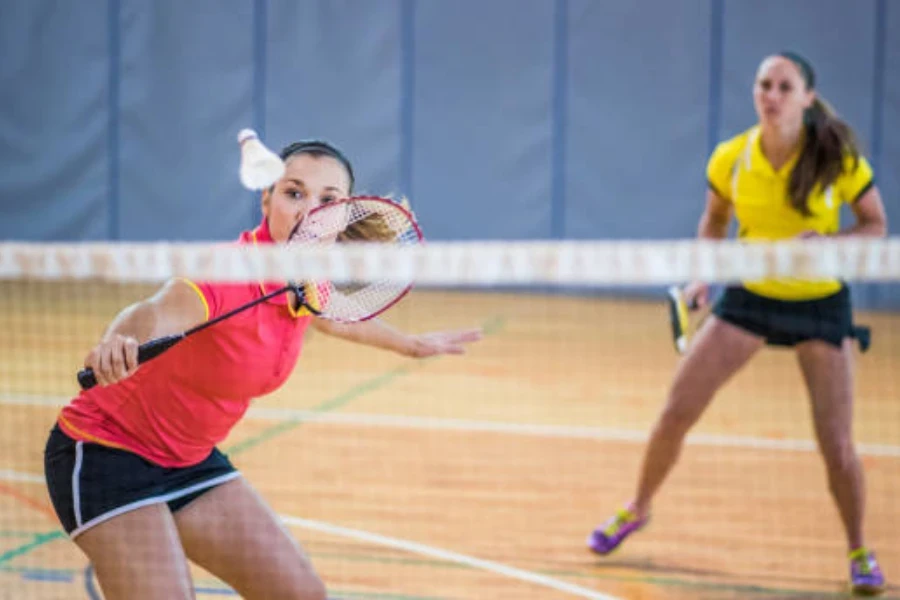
265,199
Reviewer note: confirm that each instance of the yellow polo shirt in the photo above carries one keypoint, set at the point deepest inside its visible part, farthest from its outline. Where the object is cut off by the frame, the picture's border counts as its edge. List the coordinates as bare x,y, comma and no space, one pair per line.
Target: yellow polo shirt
739,172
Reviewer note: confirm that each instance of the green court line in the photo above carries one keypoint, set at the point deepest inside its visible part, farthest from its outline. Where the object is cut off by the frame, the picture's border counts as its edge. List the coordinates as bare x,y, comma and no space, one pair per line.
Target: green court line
490,327
38,540
493,325
329,405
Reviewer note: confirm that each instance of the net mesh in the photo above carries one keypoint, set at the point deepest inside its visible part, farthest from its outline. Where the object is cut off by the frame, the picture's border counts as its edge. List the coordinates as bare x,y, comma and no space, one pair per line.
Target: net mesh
480,476
369,220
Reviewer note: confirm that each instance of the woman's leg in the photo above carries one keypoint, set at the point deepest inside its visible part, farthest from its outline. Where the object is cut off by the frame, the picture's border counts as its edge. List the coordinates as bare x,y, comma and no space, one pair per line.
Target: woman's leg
828,372
138,555
232,533
719,349
718,352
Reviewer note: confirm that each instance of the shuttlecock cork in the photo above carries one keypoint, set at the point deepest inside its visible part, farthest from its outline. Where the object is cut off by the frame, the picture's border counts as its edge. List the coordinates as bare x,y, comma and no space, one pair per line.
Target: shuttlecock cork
260,167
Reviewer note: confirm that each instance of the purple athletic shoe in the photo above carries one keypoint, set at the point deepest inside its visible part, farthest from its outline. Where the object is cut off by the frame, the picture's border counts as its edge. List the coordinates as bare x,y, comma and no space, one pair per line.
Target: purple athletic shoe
865,575
613,532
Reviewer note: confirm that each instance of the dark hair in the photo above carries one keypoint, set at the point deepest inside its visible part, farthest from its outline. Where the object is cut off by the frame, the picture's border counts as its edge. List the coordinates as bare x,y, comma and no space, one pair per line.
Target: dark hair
319,148
829,139
373,227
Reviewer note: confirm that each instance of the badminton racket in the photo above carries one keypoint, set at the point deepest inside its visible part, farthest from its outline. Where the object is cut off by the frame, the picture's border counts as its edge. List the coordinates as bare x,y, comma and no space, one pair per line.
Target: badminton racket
357,219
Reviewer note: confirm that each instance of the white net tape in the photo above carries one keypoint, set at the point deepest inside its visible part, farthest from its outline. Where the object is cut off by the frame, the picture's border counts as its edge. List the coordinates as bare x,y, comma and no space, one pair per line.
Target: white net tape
463,263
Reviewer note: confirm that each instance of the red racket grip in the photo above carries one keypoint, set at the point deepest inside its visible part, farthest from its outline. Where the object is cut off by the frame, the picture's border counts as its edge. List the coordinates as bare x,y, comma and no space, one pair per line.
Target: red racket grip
146,351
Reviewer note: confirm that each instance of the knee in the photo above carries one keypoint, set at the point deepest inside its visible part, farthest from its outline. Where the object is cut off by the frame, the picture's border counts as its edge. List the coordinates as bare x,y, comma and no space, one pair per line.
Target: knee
680,414
840,455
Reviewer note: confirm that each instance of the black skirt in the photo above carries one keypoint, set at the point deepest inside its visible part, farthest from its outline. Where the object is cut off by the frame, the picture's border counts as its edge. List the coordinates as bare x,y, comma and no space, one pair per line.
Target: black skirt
789,322
90,483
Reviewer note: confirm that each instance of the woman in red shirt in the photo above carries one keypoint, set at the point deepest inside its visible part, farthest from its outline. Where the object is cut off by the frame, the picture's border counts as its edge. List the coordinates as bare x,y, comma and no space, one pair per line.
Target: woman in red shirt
132,465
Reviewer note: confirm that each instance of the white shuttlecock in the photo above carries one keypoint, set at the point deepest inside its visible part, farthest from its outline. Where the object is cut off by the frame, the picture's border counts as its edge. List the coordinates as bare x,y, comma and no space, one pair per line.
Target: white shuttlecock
260,167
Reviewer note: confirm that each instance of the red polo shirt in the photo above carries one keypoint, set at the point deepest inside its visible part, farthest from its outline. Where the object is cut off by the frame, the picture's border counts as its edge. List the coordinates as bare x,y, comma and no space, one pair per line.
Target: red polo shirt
175,408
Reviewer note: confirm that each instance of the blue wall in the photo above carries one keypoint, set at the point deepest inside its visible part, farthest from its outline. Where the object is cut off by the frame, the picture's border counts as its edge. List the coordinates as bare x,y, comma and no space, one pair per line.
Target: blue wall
525,119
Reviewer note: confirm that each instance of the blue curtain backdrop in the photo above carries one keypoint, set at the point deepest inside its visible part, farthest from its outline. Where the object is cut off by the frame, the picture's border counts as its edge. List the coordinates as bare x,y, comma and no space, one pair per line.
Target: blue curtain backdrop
565,119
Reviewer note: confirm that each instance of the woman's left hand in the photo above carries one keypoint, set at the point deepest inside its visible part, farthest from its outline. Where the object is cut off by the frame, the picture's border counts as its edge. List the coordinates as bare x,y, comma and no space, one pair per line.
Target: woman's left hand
442,342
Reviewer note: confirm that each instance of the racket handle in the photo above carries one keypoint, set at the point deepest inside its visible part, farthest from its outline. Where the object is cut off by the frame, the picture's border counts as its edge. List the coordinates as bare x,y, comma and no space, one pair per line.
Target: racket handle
146,351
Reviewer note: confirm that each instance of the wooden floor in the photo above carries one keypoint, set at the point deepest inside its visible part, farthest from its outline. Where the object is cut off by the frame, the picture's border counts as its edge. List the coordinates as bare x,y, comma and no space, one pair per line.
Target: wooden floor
480,476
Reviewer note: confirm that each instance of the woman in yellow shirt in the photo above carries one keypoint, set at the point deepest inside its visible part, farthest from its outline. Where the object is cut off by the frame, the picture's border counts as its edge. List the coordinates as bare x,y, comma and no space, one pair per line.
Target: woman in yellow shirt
786,177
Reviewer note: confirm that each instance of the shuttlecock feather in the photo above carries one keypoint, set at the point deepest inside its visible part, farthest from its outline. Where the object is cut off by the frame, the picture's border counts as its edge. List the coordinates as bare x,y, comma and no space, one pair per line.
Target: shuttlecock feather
260,167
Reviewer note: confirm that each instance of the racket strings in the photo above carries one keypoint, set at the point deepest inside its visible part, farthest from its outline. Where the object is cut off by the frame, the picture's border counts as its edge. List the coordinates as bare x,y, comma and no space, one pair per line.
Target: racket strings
370,220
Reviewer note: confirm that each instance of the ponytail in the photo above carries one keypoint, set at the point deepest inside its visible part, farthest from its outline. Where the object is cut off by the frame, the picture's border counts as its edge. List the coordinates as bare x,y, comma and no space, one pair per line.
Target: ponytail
829,140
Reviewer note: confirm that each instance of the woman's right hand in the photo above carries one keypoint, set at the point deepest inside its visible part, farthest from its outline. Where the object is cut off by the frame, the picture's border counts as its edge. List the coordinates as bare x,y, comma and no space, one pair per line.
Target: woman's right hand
113,359
696,295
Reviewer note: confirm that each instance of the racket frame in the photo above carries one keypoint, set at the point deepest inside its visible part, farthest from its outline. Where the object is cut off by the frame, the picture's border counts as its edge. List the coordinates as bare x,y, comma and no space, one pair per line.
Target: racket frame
153,348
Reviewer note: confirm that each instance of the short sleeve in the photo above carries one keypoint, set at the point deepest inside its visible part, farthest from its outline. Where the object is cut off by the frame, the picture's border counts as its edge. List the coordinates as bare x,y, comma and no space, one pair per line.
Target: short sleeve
855,180
720,166
210,295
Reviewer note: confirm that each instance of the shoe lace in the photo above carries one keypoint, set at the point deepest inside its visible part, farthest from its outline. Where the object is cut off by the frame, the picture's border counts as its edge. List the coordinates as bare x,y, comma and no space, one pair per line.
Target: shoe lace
623,517
863,562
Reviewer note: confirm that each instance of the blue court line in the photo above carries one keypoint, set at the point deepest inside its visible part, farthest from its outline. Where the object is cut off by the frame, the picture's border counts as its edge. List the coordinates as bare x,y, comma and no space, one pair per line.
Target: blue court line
221,591
50,576
89,586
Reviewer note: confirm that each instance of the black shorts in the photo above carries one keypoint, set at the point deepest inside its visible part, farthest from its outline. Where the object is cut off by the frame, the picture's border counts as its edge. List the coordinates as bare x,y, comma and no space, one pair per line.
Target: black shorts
90,483
788,322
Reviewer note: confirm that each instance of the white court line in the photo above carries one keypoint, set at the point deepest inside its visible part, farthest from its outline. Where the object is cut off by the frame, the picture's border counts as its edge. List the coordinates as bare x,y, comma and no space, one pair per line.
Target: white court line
556,431
398,544
7,475
439,554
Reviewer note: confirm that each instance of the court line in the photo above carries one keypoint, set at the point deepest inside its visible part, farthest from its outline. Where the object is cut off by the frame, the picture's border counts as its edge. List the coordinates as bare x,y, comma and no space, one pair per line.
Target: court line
413,547
489,327
201,587
38,540
89,588
68,576
556,431
293,417
323,408
7,475
447,555
26,500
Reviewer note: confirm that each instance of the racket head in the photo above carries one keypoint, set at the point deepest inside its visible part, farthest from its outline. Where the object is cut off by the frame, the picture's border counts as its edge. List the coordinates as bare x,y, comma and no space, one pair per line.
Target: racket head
358,219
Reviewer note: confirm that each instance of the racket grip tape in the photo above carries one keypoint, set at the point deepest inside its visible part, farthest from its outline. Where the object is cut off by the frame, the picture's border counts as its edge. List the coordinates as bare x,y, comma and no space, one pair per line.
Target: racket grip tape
146,351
